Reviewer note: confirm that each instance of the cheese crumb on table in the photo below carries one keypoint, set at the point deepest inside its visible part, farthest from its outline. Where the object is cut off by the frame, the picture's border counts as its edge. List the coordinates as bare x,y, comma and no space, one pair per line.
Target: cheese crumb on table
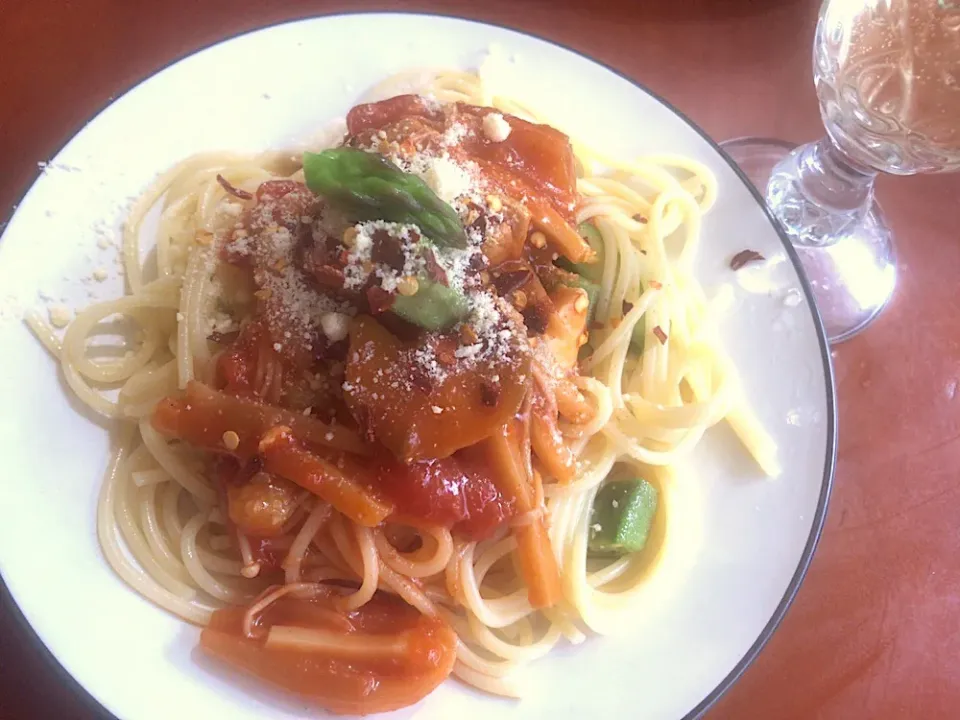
60,315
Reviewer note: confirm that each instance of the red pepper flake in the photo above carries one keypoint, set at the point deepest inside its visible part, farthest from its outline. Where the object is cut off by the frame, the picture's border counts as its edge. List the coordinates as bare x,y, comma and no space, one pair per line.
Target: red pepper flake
535,317
329,276
220,338
387,250
661,335
231,190
640,219
745,257
655,284
477,262
489,394
445,347
276,189
379,299
362,416
435,270
446,357
420,379
478,226
627,307
511,275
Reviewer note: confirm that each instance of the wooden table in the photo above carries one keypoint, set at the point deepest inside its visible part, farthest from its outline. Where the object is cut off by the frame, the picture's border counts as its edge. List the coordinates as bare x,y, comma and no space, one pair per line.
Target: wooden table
873,631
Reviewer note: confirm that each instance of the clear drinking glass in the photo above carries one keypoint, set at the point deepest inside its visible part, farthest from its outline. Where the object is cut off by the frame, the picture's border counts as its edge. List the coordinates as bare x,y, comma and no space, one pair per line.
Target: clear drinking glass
887,74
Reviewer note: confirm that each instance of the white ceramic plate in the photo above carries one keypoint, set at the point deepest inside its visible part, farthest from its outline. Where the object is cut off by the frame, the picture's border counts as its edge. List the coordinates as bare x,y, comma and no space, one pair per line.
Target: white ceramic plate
742,543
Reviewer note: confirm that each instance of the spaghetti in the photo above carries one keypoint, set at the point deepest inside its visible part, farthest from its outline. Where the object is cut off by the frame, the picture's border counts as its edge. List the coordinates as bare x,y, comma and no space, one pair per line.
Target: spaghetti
281,515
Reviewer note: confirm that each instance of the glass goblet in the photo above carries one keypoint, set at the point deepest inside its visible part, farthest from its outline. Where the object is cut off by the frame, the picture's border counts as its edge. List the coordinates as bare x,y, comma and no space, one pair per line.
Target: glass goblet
887,74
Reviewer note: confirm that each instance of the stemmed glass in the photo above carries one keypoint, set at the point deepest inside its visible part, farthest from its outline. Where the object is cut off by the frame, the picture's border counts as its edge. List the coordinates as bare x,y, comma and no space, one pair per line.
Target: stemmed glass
887,74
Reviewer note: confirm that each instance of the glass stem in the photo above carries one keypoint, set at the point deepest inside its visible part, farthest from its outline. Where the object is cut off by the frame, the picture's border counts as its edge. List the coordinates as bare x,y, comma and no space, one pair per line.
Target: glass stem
819,194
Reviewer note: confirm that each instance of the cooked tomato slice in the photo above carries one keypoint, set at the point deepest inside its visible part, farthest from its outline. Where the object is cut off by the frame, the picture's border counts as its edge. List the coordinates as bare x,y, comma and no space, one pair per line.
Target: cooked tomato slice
382,657
417,424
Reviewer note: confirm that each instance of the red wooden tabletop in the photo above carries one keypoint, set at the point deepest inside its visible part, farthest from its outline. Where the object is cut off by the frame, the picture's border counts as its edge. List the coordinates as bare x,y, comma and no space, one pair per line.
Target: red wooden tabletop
873,631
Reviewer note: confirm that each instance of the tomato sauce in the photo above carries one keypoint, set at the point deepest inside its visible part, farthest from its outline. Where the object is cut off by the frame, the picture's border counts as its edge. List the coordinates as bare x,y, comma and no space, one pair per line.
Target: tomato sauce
425,458
237,365
420,437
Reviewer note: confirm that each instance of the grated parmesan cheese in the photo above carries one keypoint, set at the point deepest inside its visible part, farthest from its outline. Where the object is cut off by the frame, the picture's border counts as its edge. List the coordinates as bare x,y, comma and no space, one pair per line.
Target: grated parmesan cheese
484,315
221,322
447,179
495,127
454,134
431,103
360,265
426,359
292,302
335,326
232,209
468,351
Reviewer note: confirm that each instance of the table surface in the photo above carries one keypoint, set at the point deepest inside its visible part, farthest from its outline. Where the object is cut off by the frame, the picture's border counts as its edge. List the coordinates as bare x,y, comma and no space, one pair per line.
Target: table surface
873,631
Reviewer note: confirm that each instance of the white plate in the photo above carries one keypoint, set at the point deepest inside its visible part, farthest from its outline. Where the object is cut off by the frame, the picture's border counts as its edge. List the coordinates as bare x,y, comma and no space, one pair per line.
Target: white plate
746,541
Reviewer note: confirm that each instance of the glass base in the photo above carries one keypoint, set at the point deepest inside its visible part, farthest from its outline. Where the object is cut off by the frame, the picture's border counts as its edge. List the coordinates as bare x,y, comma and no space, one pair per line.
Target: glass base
853,277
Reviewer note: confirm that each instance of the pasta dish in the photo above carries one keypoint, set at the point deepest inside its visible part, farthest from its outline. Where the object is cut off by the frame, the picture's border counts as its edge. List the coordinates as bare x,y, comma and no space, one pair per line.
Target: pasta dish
405,406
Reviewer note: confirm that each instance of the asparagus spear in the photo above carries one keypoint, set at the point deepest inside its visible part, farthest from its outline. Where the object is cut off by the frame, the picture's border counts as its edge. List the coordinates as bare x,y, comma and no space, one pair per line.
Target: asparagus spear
433,307
591,275
622,516
372,188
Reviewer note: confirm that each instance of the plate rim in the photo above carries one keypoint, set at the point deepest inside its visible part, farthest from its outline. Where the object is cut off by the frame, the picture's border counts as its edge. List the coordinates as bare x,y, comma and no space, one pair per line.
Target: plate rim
829,469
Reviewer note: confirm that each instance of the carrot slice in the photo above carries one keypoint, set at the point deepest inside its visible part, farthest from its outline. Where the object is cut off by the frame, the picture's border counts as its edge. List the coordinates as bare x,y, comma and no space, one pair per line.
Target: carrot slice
334,481
203,415
538,565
